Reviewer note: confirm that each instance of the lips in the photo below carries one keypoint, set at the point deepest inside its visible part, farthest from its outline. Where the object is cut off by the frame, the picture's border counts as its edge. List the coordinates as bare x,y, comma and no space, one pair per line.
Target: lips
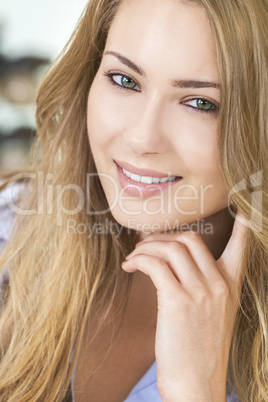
143,172
139,189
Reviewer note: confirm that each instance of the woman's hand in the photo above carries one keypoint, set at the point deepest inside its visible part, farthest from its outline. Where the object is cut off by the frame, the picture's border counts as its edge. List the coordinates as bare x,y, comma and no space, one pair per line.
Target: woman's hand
198,299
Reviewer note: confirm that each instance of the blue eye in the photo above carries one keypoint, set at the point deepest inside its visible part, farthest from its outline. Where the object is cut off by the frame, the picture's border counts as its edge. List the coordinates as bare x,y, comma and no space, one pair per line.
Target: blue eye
121,80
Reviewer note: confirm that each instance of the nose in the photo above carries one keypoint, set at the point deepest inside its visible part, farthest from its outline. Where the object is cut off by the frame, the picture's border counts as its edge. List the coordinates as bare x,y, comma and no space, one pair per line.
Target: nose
146,132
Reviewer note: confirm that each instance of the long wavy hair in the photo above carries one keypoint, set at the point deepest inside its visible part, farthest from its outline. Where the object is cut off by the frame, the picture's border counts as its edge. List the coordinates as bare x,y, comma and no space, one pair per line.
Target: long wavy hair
61,282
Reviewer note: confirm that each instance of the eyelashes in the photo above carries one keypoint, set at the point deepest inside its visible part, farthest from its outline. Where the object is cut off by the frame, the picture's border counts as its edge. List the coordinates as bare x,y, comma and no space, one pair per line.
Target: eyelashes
113,82
205,105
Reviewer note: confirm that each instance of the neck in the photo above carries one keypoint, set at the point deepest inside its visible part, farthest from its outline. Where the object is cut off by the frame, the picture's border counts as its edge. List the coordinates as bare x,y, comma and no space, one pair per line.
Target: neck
221,224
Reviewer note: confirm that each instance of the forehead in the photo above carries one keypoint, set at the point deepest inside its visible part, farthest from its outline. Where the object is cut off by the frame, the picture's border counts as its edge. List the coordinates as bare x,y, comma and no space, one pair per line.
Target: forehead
169,34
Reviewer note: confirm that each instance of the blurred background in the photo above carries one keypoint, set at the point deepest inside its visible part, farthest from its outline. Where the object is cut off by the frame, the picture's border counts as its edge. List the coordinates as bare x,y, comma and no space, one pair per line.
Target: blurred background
32,34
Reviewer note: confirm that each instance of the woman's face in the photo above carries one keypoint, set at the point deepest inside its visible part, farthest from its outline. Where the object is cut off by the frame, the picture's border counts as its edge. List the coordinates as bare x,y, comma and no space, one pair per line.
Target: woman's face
157,110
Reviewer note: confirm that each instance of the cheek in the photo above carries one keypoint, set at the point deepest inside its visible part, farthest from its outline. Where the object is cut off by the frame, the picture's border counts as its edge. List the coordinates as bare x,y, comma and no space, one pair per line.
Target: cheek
196,145
197,149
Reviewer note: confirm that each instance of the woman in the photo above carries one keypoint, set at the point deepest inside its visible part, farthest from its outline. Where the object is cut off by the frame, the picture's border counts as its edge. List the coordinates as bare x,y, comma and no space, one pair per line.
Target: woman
144,91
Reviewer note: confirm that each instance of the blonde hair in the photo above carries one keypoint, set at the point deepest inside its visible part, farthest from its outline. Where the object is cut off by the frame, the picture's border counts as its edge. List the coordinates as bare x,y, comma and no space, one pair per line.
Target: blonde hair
59,282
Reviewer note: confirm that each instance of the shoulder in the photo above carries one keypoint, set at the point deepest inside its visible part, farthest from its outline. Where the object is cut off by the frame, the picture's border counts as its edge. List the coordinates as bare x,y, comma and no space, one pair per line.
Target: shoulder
8,197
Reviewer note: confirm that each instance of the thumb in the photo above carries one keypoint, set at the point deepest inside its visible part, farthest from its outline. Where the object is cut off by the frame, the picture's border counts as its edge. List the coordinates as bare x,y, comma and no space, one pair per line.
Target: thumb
230,260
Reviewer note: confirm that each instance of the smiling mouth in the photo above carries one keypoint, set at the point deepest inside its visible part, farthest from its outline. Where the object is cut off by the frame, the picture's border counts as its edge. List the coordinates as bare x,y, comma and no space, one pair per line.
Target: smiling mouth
145,175
149,179
139,186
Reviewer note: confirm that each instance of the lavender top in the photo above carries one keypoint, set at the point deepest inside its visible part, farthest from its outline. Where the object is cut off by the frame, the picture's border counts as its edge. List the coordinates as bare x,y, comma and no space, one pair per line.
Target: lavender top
146,388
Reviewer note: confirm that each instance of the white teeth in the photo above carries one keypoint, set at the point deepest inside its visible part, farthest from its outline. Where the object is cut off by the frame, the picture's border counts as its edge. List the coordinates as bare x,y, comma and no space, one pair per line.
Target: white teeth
147,179
127,173
156,180
135,177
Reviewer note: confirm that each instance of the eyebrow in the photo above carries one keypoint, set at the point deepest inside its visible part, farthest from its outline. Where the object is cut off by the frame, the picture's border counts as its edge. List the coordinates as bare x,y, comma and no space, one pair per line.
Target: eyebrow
174,83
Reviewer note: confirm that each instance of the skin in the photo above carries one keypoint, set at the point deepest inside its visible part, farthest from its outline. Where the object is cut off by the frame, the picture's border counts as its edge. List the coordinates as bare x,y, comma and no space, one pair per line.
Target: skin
192,281
197,299
152,126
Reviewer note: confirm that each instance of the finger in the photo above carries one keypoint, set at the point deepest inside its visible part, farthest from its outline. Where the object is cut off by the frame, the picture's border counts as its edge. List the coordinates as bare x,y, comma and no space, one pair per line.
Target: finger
197,249
178,259
157,269
230,259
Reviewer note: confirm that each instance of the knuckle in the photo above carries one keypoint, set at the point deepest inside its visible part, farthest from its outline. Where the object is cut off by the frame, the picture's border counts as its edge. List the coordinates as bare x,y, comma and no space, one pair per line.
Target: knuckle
222,289
192,234
201,294
188,236
160,262
175,246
